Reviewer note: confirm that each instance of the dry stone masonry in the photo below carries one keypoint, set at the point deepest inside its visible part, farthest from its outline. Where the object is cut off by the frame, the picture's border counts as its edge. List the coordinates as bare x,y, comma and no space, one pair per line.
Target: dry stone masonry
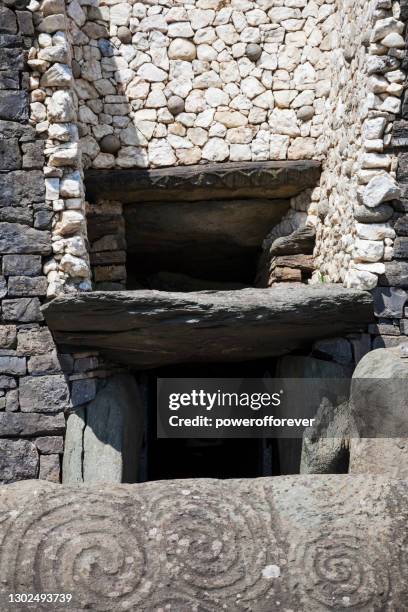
92,86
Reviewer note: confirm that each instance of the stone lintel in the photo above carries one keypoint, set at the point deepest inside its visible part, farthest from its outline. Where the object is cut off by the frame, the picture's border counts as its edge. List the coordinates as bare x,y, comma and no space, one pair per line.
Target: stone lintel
269,179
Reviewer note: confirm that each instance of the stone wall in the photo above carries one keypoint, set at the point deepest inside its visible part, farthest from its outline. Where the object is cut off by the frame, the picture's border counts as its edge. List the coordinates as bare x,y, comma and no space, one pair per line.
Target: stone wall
144,85
178,83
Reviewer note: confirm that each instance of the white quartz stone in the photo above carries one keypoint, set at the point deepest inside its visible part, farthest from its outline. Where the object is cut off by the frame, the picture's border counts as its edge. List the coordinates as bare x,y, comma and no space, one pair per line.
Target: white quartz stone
61,107
161,153
380,189
150,72
216,150
374,231
368,250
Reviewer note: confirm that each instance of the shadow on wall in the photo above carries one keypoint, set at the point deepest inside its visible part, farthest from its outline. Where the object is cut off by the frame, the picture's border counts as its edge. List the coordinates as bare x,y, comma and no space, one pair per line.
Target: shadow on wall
164,86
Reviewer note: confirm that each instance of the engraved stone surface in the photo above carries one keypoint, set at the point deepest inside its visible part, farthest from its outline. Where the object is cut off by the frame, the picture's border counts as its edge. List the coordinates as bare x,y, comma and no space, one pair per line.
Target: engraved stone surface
302,543
232,180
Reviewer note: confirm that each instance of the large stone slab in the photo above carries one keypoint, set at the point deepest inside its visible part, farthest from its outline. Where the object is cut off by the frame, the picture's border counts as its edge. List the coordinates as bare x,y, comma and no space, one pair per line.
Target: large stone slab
379,393
311,543
152,328
207,181
103,440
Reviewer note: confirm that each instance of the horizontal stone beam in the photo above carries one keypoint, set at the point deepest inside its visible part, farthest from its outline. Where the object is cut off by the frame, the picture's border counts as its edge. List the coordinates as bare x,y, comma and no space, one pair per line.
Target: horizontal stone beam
333,542
152,328
208,181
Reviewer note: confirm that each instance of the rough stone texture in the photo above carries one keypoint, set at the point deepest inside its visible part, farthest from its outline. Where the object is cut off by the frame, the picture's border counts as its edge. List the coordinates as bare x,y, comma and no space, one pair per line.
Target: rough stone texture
18,461
108,449
23,425
310,543
213,326
378,400
210,181
326,386
45,394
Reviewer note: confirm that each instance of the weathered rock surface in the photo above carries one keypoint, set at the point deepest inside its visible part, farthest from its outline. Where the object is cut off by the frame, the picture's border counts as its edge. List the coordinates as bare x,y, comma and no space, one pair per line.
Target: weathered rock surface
209,181
320,388
18,460
378,398
111,434
301,240
310,543
151,328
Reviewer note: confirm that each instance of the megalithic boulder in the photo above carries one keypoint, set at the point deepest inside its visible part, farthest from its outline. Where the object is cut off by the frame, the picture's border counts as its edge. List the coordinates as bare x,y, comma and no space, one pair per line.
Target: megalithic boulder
304,543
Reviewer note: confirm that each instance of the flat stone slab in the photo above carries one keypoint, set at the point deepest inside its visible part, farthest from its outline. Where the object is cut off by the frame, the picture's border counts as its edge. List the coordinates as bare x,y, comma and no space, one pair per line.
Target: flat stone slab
148,328
268,179
321,543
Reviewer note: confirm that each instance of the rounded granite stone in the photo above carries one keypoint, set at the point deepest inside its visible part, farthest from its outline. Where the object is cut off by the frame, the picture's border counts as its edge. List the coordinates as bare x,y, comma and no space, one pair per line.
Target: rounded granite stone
175,105
253,52
124,35
110,144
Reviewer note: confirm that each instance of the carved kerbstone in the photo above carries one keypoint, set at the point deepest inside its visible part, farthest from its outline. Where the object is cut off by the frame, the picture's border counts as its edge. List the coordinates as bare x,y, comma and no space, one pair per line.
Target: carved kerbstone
316,543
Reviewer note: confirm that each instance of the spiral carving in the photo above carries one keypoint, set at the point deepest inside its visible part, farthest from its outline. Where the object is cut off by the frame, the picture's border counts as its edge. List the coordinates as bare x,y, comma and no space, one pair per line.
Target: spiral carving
215,544
338,571
87,545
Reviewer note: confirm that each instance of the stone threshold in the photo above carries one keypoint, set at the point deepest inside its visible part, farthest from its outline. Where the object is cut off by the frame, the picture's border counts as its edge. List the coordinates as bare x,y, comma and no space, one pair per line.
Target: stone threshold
269,179
148,328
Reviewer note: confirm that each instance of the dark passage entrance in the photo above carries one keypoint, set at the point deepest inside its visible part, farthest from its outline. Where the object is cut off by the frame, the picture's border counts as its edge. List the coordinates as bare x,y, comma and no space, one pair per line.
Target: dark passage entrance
205,458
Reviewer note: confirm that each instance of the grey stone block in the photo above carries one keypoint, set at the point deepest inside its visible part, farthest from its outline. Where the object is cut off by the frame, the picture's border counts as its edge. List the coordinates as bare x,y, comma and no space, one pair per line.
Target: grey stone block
34,341
10,156
25,22
389,302
83,391
395,275
8,22
113,433
23,310
33,154
44,364
23,425
14,105
11,59
3,287
42,219
401,248
8,41
15,238
27,265
16,215
19,460
16,366
12,403
9,80
21,188
49,445
8,336
27,286
7,382
45,394
50,468
338,349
